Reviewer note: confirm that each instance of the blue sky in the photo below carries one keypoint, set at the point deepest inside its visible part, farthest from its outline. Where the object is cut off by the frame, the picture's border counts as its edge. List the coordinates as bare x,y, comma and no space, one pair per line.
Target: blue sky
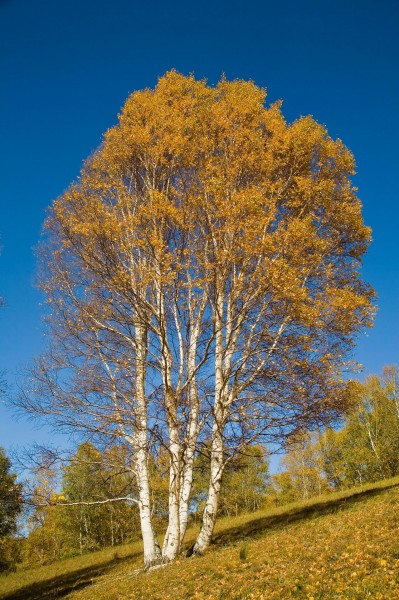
68,66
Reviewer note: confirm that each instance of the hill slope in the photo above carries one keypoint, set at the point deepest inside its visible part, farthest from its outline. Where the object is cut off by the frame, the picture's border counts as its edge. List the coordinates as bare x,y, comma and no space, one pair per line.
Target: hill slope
340,546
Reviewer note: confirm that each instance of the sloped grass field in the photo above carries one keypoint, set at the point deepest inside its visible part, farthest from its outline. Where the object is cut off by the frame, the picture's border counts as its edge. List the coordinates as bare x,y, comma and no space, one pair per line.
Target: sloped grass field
336,547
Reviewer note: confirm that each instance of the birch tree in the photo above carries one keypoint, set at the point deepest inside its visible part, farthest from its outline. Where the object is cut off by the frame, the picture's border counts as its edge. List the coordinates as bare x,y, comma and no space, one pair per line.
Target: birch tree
369,441
203,284
284,240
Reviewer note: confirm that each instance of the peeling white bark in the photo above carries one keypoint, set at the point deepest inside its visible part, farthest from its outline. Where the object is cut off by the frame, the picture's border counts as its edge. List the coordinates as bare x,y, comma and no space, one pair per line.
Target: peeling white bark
152,551
186,478
210,511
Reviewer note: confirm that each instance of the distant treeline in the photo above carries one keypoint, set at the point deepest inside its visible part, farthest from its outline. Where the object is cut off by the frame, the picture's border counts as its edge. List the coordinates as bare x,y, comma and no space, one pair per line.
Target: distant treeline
364,449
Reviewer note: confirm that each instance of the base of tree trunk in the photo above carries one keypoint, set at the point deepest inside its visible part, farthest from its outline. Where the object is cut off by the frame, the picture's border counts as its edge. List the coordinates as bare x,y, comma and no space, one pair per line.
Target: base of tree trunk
154,563
193,551
157,566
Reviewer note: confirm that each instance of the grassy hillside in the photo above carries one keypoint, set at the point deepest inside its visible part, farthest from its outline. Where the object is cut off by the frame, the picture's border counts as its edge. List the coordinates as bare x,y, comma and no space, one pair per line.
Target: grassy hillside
340,546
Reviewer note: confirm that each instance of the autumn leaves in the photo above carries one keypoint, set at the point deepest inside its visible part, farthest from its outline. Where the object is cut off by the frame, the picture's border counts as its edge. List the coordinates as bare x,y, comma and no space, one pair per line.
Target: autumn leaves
205,285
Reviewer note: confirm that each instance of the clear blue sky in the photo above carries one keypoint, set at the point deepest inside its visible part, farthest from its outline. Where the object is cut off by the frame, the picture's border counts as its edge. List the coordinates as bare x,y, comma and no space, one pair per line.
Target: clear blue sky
68,65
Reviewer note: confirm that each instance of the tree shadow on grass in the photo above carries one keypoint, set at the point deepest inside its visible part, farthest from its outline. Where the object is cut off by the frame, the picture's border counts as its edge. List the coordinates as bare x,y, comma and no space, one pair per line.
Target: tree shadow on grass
258,527
62,585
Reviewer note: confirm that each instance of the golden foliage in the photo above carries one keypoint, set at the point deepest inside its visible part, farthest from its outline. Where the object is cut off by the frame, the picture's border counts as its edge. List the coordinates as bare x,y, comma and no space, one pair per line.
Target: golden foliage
208,179
204,211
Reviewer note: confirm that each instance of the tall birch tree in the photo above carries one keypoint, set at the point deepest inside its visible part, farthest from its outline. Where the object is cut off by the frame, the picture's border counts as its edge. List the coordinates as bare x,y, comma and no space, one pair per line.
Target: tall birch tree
203,281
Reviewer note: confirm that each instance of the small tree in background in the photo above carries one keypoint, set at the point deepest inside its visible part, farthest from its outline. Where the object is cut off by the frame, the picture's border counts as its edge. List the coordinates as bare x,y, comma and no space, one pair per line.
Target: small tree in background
303,476
10,508
94,476
367,447
78,518
10,497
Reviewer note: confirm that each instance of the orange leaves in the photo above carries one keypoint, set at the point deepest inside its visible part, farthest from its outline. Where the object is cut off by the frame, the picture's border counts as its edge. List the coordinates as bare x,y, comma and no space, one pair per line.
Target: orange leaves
215,165
202,192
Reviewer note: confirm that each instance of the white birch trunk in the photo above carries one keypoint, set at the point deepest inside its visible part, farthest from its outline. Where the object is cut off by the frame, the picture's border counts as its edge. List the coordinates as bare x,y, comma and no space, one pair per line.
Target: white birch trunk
171,545
187,477
210,512
186,480
152,551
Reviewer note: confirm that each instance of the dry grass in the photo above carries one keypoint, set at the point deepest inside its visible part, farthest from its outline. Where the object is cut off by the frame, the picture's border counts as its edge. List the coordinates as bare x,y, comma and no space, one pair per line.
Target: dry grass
337,547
